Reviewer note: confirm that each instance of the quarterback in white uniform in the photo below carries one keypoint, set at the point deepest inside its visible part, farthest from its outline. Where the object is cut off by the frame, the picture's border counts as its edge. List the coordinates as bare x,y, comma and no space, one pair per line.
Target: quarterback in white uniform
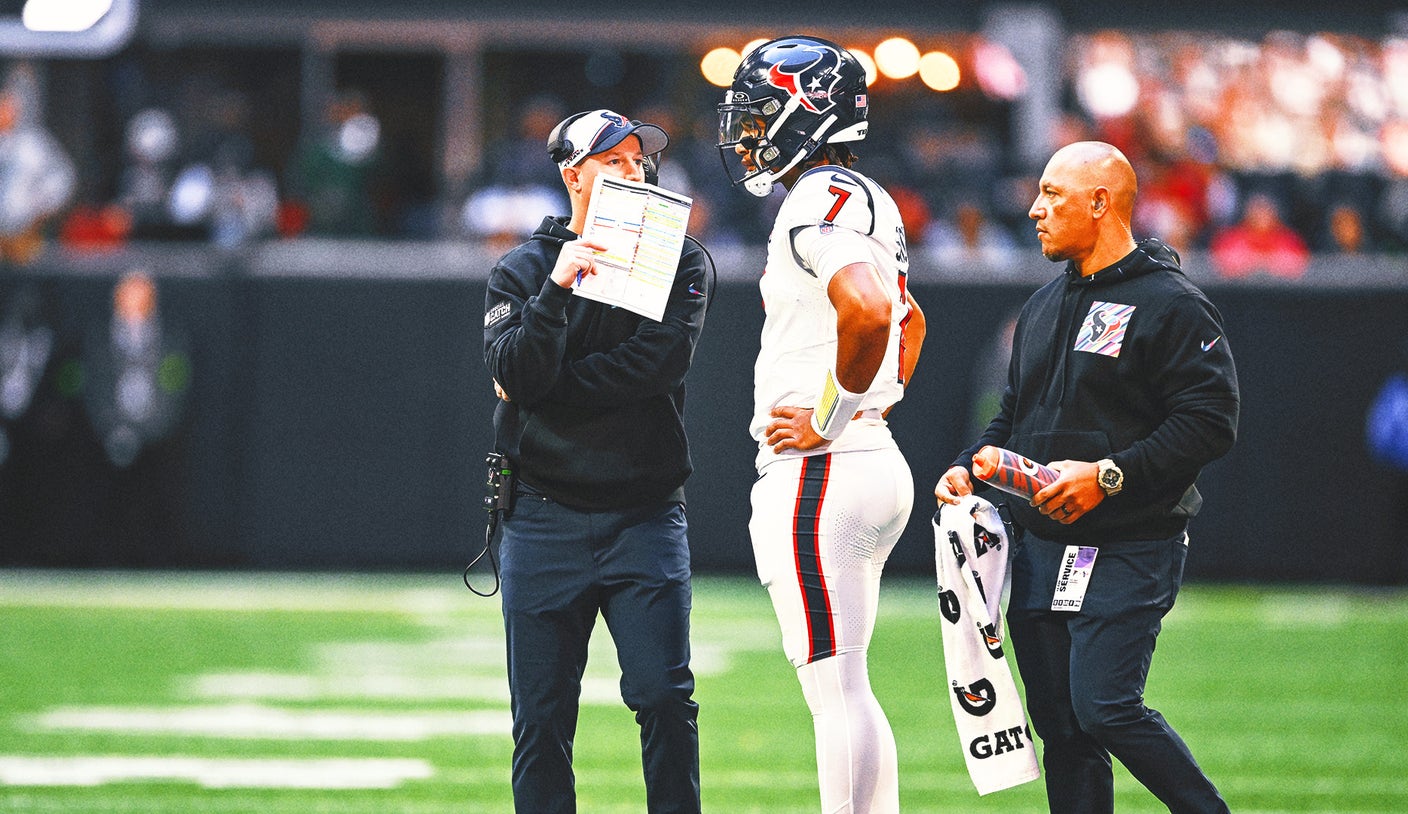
841,337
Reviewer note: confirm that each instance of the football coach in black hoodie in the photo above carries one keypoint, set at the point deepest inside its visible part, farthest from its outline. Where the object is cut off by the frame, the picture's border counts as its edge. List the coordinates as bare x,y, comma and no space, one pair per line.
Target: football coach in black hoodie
591,421
1122,378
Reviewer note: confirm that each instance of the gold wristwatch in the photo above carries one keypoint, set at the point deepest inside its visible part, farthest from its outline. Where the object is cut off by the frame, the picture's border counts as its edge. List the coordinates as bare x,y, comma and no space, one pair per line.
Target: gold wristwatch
1111,477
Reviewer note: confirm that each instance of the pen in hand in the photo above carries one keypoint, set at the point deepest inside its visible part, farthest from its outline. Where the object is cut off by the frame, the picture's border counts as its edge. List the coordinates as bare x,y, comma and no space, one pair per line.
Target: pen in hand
576,262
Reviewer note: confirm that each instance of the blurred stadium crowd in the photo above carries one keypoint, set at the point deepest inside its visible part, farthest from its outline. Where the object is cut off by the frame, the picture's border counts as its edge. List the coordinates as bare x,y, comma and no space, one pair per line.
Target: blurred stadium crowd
167,398
1260,151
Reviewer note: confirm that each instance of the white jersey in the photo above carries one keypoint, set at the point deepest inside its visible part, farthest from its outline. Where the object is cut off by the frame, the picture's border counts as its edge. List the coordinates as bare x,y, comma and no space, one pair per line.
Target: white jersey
799,332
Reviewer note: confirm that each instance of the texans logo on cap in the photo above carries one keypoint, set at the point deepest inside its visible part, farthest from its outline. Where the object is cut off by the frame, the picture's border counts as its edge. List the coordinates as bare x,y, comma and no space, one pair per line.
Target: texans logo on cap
600,130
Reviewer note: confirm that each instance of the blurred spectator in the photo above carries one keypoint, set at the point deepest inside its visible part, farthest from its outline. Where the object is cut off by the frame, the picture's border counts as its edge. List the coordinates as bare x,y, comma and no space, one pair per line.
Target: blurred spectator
913,207
44,440
36,176
1386,437
1386,424
723,217
136,372
221,192
1392,204
970,240
1173,199
335,176
1167,215
152,142
953,163
1345,230
499,215
515,185
1392,212
517,158
95,227
684,171
26,346
1260,243
133,375
1309,117
911,202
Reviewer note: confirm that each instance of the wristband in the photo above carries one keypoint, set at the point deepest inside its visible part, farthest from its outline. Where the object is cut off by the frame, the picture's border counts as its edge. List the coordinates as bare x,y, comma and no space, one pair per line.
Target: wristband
835,408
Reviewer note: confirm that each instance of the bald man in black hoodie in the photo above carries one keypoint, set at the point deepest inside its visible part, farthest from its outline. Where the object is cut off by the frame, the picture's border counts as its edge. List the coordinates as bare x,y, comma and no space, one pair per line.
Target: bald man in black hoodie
1122,378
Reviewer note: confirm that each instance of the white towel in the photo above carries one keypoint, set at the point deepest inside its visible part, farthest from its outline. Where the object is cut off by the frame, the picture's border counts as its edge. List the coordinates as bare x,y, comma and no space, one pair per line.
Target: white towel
970,556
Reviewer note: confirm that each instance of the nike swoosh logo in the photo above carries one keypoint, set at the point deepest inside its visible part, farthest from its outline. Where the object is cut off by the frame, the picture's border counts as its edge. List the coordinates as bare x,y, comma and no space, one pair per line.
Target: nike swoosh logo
1207,346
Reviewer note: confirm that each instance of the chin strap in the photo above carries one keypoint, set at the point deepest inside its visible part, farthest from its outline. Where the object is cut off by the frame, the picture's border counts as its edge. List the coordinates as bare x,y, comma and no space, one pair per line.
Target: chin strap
762,183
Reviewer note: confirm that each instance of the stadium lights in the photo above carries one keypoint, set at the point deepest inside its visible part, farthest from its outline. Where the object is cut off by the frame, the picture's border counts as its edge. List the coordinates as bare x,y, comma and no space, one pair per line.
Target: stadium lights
1107,89
863,57
999,73
939,71
719,64
748,48
897,58
63,15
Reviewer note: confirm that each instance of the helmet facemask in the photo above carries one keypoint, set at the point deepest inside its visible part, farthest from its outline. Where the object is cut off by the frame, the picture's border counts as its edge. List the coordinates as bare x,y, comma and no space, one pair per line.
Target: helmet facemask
760,137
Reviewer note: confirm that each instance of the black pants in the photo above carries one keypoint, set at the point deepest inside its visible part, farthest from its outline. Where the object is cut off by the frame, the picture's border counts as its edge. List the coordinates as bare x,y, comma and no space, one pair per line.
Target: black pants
1084,674
561,568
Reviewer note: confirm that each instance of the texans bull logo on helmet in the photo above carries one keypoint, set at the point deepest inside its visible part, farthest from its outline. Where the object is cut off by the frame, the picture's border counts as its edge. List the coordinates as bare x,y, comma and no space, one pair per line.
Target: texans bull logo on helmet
808,73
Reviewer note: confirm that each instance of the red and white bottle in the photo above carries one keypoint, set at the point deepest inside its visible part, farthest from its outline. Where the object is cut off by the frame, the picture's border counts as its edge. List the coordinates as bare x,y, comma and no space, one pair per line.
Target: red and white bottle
1011,472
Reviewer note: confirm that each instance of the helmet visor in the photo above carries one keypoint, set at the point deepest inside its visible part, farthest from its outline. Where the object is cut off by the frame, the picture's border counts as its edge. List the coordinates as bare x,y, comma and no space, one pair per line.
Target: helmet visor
743,145
739,122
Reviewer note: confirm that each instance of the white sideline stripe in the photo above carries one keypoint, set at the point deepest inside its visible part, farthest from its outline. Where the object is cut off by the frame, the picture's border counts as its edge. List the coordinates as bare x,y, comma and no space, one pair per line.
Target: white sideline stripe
248,721
214,773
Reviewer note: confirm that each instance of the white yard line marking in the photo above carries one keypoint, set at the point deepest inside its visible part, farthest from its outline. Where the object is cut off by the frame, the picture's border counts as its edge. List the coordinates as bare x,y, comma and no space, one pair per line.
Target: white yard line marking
257,686
234,591
215,773
248,721
598,690
1307,611
464,668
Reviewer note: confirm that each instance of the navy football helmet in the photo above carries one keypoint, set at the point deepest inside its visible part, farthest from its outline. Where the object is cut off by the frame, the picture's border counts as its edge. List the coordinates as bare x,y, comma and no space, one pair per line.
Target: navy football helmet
789,97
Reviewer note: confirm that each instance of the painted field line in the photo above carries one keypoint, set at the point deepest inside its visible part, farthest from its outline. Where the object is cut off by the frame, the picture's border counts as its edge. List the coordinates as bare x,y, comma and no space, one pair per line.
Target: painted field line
236,591
248,722
254,686
215,773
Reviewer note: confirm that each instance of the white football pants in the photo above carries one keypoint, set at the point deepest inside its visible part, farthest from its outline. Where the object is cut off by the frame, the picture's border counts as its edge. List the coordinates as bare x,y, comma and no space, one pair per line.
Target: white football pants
822,528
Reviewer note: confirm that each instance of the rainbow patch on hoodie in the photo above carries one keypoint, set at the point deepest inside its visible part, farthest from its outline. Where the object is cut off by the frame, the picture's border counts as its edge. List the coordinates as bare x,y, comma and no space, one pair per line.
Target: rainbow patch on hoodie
1104,328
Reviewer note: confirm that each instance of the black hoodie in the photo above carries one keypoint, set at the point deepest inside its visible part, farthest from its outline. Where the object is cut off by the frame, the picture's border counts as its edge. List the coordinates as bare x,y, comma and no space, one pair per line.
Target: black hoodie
1130,363
596,417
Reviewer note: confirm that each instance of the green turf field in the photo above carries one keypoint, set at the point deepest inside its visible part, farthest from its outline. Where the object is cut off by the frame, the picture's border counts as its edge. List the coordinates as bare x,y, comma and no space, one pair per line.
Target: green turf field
355,694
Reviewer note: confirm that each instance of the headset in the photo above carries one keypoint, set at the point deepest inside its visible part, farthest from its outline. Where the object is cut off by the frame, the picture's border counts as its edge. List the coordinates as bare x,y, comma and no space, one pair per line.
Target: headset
558,145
